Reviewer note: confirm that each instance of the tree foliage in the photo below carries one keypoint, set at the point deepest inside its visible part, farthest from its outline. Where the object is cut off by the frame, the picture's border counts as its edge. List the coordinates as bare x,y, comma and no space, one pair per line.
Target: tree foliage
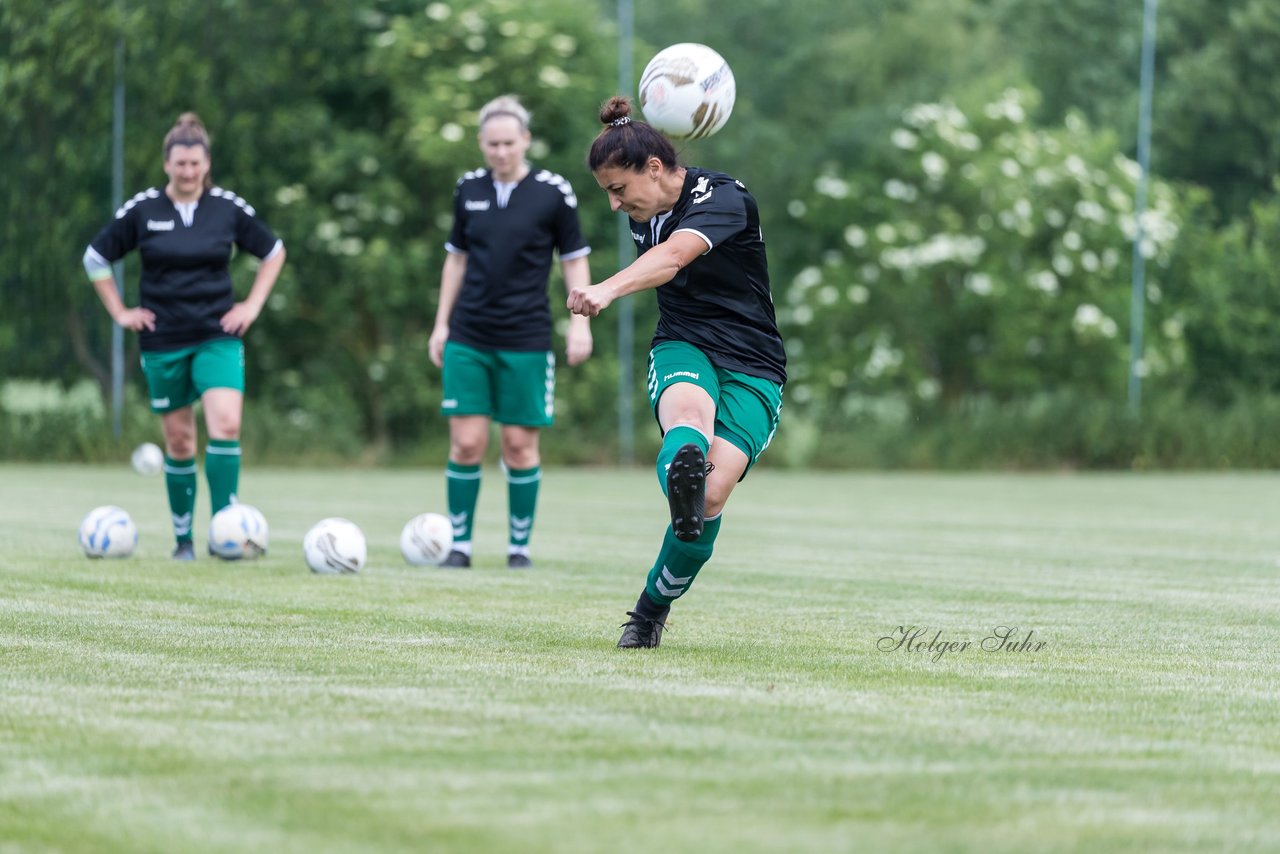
985,256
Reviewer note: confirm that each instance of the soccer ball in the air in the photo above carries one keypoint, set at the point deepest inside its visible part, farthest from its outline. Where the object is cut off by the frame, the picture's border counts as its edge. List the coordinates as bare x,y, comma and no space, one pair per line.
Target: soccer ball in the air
687,91
238,531
335,546
426,539
147,459
108,532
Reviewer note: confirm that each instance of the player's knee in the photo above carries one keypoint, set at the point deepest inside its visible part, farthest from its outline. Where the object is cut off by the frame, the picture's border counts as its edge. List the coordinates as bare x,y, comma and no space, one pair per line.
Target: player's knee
714,506
526,458
466,451
694,420
224,426
180,447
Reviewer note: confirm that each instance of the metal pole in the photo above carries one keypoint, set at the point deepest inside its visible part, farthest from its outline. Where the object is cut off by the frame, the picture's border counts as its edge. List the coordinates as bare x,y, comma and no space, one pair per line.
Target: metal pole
626,311
117,199
1138,295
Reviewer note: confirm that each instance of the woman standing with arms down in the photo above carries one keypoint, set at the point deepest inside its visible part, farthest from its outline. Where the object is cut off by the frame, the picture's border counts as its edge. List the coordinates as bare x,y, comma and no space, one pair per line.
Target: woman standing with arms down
492,334
716,364
190,326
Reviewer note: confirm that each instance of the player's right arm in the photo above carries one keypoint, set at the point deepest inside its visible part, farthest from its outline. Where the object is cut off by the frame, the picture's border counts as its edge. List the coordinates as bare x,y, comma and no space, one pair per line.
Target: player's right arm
135,319
654,268
112,244
451,278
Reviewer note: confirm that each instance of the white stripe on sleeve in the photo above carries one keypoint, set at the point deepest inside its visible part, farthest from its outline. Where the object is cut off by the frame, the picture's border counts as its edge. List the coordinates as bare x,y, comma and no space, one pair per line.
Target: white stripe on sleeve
95,265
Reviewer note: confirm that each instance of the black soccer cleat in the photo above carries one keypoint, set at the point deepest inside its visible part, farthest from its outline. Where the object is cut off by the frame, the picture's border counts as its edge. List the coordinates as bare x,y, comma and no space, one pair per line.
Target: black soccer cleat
457,560
641,632
687,492
185,551
519,561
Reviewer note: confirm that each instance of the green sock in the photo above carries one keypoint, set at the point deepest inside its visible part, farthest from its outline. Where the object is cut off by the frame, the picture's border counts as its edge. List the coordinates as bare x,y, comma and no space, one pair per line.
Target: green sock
180,481
675,439
522,501
678,564
222,468
463,484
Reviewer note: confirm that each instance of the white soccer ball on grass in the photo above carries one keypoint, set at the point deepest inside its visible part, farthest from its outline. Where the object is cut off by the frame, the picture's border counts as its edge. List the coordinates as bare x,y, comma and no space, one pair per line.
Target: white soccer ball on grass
147,459
108,531
238,531
687,91
335,546
426,539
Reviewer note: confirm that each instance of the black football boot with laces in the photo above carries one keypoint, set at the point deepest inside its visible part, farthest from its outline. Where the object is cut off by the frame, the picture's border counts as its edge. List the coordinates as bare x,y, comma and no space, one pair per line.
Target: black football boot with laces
644,629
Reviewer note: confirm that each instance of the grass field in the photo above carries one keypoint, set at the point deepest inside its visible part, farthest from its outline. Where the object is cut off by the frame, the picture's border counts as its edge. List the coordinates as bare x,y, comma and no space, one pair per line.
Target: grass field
152,707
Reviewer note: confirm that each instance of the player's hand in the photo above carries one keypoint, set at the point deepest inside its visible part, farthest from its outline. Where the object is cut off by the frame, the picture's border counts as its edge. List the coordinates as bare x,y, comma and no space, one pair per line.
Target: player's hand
239,319
435,345
137,319
589,301
578,343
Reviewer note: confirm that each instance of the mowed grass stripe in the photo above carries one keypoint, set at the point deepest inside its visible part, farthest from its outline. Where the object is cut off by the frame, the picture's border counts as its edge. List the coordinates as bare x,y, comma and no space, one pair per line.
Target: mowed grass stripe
253,706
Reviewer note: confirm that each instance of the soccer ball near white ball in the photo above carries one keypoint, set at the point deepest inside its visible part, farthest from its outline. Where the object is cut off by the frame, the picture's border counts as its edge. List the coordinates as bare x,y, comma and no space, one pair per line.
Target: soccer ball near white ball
148,459
426,539
335,546
238,531
108,531
687,91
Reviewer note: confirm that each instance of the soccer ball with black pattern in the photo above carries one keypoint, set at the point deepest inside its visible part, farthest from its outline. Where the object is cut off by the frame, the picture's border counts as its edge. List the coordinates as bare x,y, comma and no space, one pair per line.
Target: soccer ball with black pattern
687,91
335,546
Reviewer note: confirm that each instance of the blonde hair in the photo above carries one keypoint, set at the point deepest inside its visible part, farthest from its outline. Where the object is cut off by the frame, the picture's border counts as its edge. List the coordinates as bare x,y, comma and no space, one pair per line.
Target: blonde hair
505,105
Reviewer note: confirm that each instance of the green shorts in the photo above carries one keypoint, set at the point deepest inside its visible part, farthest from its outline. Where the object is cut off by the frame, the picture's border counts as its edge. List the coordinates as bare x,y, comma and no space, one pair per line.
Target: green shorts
178,378
510,386
747,407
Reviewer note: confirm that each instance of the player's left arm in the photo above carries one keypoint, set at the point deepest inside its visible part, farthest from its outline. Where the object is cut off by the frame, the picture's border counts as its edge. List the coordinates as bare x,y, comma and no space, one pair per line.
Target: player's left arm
242,315
578,340
654,268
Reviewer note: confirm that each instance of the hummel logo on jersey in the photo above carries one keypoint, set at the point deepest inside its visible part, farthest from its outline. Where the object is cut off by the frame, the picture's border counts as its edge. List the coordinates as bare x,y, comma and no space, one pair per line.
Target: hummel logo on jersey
702,187
159,225
693,375
480,205
638,238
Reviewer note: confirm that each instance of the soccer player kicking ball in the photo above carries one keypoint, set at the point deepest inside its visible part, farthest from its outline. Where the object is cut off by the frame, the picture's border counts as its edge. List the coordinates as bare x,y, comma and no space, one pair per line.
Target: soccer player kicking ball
190,326
716,364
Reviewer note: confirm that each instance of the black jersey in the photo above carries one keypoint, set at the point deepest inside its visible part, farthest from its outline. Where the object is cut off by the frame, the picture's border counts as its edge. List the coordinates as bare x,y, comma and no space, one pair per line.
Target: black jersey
185,277
503,303
721,302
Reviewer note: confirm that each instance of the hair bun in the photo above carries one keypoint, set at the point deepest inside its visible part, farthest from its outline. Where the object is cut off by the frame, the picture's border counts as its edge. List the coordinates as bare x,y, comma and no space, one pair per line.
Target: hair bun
616,111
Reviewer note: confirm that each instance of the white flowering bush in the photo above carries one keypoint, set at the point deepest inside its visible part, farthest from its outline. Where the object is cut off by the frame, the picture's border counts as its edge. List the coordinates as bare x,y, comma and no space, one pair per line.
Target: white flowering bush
979,256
